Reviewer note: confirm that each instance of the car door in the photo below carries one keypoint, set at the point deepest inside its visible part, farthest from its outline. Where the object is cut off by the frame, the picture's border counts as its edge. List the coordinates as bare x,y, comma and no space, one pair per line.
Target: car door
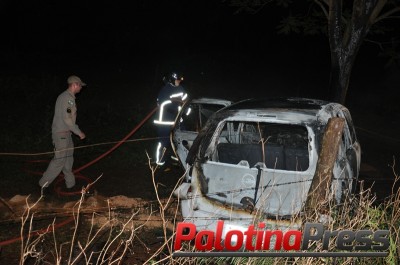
190,120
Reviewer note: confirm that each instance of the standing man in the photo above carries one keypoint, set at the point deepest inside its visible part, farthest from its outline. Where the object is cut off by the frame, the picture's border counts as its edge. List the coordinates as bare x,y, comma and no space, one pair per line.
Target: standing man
63,125
170,100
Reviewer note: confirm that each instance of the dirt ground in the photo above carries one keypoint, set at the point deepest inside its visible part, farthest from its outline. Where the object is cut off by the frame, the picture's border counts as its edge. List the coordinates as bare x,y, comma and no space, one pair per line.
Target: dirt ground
98,207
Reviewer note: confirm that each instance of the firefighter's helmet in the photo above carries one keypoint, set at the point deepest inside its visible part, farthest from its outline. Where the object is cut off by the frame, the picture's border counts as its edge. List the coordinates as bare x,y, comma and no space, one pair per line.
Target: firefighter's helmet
172,77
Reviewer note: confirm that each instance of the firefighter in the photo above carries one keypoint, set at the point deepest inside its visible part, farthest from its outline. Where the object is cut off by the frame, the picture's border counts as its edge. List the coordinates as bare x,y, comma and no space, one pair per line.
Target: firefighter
170,99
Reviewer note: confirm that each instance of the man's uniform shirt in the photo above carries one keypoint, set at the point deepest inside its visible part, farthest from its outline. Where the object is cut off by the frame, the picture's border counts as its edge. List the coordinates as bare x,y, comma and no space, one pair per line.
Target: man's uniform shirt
65,114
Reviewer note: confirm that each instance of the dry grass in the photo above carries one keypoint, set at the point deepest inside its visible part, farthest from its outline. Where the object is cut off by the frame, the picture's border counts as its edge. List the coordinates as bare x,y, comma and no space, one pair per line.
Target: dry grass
358,212
118,235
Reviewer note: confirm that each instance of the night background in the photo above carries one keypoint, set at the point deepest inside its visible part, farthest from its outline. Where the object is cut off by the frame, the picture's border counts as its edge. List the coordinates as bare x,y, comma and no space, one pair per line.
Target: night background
123,49
113,45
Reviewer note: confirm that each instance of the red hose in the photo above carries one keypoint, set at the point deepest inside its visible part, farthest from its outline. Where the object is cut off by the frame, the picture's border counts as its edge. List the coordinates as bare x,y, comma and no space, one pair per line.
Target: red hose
58,180
71,193
119,143
58,190
42,231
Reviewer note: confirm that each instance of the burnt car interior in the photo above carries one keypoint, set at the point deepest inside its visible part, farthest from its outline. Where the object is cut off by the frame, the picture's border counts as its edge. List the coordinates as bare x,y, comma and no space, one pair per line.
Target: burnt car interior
273,145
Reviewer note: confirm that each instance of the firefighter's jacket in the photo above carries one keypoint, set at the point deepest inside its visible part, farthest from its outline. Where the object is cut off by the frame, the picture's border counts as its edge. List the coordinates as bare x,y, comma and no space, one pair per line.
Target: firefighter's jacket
169,100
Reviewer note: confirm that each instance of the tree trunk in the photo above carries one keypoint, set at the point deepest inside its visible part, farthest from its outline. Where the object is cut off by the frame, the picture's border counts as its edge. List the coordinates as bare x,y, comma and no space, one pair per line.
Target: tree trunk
340,76
345,40
321,184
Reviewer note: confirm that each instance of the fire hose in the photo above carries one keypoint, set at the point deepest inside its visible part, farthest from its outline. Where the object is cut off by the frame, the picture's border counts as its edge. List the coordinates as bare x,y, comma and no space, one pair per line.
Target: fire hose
134,130
57,186
58,189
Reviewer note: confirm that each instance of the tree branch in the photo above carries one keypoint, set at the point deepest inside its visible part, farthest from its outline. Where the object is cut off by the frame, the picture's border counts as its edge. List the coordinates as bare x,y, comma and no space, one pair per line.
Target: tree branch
377,10
358,6
322,7
359,24
375,42
386,15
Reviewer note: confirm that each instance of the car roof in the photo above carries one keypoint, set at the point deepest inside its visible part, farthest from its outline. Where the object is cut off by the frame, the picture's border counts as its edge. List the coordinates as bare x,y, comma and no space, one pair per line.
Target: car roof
313,112
216,101
313,108
279,103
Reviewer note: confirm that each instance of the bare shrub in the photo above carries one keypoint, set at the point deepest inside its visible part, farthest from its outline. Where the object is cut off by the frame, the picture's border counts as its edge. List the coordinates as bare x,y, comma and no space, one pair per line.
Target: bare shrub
116,235
358,212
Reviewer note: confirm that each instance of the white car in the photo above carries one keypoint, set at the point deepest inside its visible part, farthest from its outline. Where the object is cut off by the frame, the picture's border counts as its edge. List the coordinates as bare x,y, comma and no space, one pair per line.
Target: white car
257,158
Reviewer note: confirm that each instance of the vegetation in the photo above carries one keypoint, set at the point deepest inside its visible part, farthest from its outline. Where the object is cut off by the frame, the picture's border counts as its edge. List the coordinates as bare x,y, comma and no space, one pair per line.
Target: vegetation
113,240
347,23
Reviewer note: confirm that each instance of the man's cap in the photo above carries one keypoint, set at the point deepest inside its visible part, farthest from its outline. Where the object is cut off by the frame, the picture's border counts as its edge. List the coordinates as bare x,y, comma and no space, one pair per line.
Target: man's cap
74,79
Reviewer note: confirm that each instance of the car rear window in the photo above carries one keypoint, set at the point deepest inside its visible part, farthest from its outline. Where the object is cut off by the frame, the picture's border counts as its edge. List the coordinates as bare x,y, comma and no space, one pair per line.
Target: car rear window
278,146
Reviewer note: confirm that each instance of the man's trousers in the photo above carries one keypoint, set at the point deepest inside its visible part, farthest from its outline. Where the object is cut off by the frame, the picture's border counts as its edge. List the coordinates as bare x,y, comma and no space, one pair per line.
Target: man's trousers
62,161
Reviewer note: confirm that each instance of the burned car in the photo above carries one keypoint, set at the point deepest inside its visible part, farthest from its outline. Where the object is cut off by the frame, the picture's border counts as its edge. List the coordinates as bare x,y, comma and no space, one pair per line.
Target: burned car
257,157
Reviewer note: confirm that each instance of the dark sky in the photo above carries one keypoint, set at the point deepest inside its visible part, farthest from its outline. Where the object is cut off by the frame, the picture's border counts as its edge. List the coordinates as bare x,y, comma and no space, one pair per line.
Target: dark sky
122,48
80,28
142,39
